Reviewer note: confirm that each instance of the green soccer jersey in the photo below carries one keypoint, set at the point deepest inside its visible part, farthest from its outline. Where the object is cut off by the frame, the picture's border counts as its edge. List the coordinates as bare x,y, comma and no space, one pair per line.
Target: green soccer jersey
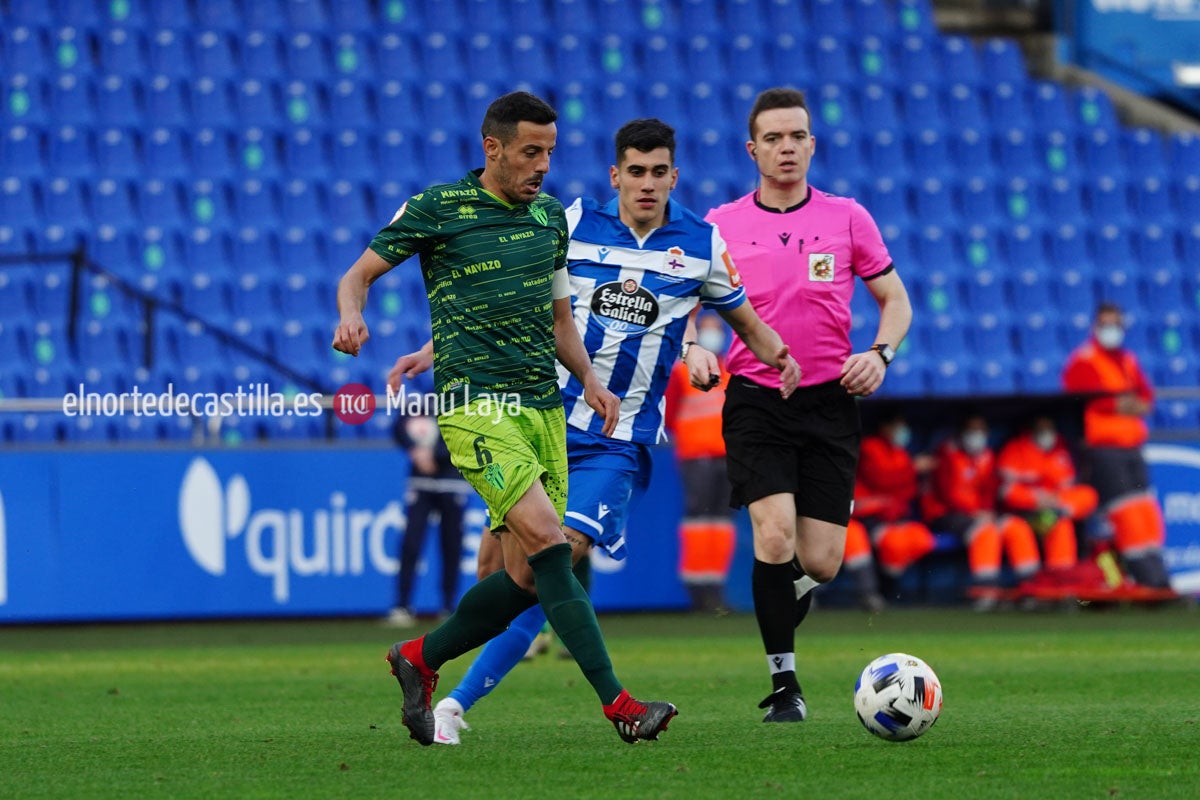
488,268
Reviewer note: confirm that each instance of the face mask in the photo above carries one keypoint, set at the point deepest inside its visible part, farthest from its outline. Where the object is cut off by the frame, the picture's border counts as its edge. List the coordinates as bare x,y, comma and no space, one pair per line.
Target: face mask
1110,337
974,442
1045,440
901,437
711,340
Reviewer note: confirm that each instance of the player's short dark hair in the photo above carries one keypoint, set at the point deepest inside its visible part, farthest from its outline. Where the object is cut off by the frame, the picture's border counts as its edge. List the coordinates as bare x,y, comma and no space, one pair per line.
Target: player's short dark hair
645,135
507,111
779,97
1109,307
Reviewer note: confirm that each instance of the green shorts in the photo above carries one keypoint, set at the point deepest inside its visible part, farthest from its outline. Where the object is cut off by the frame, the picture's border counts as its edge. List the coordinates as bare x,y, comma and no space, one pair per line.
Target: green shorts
503,454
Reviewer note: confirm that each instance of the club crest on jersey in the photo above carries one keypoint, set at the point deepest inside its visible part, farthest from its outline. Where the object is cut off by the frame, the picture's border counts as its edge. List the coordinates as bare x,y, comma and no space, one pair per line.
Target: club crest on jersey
672,258
820,267
539,214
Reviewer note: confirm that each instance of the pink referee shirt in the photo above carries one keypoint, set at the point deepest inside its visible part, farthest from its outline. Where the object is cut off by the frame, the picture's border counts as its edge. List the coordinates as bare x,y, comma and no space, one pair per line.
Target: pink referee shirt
798,267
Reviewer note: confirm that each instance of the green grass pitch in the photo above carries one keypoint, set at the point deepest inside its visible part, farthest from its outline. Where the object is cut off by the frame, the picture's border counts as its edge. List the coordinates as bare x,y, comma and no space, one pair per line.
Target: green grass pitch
1101,704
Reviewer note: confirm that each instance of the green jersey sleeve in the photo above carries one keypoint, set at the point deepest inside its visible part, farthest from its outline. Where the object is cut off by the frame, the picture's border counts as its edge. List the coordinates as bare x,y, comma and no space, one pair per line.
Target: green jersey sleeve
415,229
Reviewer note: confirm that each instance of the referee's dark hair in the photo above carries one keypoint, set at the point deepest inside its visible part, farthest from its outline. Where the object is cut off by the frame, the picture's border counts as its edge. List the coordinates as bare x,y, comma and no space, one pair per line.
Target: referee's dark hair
779,97
507,111
645,135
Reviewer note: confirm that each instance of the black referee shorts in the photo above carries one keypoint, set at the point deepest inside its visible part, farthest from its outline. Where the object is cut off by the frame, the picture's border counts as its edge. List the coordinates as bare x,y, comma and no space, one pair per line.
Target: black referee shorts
806,446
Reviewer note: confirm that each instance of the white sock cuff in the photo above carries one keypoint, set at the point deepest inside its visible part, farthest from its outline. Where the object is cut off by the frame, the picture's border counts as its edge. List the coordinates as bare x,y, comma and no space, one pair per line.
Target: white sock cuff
781,662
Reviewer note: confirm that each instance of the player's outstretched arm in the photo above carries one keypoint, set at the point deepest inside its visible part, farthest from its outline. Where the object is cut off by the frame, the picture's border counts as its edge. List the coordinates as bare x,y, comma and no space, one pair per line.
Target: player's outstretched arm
573,355
766,344
351,332
862,373
410,365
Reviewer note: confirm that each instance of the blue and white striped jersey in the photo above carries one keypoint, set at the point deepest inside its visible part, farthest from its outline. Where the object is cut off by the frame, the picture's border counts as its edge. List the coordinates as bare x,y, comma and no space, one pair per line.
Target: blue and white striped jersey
631,300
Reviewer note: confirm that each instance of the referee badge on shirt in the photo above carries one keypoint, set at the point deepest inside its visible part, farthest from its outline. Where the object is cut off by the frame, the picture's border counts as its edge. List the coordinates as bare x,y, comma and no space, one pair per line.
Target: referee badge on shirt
820,267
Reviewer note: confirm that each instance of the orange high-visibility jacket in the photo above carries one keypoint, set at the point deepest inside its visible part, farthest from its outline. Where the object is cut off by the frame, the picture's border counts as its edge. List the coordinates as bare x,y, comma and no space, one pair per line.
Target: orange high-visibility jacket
1025,468
886,481
960,483
693,417
1092,369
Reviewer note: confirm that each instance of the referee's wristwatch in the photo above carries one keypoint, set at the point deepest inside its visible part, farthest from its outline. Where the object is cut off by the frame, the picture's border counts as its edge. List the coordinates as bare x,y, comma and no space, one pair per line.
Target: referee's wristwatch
683,351
886,352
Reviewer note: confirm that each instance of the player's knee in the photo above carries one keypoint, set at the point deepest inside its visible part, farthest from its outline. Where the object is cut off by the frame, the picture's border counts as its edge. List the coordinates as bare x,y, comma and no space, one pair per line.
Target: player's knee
823,570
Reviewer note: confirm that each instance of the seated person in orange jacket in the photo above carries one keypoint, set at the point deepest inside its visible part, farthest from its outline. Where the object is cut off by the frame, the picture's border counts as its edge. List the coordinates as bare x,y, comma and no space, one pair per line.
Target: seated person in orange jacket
884,490
962,499
1037,481
1114,429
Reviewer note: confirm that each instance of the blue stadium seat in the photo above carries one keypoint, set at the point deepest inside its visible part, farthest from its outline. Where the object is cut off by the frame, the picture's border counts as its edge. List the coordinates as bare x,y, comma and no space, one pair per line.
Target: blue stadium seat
164,102
302,249
877,103
1144,147
441,105
835,18
300,203
921,109
212,54
994,375
163,154
1094,109
208,204
918,63
209,152
351,155
1002,60
1006,103
112,203
217,14
304,154
441,55
886,200
168,56
1058,154
959,58
1021,201
964,108
25,100
347,203
1040,375
835,60
103,344
352,53
929,154
972,153
306,55
117,102
980,247
257,103
71,100
69,152
160,254
790,59
933,202
307,15
1183,149
1068,249
257,153
256,204
1022,248
260,55
1107,200
211,104
1152,200
950,377
302,103
21,153
121,52
1063,201
1033,333
255,295
1163,289
1017,154
1187,198
18,202
352,106
884,151
253,248
1050,106
841,155
26,50
116,155
984,292
1101,153
1032,295
304,297
207,250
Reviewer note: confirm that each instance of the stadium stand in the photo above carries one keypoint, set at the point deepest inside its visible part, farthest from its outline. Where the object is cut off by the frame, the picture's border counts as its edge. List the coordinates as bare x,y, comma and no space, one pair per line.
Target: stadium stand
235,157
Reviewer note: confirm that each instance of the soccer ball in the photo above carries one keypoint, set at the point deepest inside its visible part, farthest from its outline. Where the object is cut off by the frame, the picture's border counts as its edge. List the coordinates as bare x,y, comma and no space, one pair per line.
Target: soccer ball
898,697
